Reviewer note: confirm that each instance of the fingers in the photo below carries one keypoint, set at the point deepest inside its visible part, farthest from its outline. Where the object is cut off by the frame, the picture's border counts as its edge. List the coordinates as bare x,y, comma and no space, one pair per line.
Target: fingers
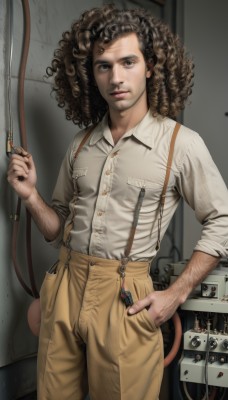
140,305
20,164
20,151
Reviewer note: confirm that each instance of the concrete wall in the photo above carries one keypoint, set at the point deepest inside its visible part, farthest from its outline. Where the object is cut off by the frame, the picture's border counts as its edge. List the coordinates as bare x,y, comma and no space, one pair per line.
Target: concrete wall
48,137
205,36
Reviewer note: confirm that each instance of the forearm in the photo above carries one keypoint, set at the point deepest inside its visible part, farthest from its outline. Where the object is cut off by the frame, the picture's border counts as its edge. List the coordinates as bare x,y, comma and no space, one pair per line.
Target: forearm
196,270
163,304
44,216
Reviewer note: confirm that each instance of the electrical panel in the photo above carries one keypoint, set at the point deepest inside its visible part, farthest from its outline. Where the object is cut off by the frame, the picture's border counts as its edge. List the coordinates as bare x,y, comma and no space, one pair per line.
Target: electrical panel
211,295
205,341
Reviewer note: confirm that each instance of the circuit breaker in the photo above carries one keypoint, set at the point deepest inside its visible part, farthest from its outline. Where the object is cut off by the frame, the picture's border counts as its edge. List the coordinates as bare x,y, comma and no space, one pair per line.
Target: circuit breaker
205,343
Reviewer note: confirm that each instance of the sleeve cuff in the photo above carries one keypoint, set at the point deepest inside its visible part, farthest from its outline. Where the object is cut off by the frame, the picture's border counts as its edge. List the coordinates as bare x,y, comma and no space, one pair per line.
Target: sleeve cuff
213,248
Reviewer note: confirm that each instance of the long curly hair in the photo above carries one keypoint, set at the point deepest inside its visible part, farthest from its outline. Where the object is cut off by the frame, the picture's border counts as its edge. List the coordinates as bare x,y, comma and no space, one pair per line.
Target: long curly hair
168,88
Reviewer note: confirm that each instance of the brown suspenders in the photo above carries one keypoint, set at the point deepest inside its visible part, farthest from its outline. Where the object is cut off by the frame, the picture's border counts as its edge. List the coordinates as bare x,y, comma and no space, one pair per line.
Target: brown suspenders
126,295
84,140
168,168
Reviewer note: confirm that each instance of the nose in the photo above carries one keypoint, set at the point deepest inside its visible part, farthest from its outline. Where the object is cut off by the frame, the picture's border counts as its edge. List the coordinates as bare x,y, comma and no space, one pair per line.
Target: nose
116,75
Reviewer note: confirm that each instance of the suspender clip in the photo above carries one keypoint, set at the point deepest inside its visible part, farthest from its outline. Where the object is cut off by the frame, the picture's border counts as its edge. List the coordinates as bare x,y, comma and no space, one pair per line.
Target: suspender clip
123,264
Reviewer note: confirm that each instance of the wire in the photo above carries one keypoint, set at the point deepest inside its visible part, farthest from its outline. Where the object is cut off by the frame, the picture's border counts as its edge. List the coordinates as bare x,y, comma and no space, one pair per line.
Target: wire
205,396
206,362
177,340
10,64
21,79
224,394
14,249
9,139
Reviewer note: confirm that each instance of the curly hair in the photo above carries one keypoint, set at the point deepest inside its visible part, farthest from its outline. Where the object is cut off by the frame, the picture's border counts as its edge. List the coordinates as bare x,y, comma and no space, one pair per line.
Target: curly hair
168,88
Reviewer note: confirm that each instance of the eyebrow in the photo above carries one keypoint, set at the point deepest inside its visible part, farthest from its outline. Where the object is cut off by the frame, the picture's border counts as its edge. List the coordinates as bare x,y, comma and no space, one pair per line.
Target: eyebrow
103,61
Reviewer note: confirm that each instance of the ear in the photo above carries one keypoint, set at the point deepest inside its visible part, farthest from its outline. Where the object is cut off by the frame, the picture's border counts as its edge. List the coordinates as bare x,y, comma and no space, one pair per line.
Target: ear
149,70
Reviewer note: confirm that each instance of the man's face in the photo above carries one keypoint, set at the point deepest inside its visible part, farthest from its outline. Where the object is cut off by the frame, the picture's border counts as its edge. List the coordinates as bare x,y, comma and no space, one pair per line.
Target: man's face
120,73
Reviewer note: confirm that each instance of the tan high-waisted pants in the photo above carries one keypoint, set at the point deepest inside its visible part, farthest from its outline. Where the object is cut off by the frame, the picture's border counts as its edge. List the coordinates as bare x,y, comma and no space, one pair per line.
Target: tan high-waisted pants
88,342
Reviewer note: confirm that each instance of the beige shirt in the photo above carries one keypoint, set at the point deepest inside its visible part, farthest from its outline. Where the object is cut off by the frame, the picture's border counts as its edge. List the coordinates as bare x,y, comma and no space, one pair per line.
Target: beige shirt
101,187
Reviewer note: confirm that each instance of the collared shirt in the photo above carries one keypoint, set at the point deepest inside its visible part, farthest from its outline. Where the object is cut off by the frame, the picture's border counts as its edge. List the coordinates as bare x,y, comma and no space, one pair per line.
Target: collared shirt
99,190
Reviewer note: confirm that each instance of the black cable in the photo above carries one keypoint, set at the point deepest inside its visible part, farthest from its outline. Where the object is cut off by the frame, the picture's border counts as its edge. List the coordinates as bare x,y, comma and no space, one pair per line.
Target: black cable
206,364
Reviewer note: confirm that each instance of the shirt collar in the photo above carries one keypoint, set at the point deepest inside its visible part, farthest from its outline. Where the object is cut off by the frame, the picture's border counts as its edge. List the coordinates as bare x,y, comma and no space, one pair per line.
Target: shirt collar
100,131
144,131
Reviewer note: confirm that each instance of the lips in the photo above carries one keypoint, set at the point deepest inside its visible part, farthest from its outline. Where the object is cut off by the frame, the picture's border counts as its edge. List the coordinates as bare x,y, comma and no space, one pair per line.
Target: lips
119,93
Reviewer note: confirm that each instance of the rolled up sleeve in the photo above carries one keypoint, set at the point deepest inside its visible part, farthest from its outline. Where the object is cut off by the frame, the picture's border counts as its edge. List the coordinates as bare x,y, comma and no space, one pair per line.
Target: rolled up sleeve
202,186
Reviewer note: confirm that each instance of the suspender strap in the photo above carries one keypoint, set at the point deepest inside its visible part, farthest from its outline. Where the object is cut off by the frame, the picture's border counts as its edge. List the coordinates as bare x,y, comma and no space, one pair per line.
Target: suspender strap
135,223
167,175
161,203
84,140
66,235
169,163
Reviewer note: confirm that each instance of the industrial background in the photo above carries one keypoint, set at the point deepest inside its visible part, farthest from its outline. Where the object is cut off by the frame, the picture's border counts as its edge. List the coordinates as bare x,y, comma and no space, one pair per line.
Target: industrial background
202,25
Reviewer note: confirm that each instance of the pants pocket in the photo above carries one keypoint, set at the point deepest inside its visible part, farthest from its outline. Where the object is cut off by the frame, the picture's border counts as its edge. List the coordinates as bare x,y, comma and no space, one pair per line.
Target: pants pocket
140,288
48,289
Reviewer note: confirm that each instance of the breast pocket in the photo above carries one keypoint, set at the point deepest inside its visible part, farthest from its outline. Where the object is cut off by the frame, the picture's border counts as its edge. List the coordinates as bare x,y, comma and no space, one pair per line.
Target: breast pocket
151,198
152,189
140,183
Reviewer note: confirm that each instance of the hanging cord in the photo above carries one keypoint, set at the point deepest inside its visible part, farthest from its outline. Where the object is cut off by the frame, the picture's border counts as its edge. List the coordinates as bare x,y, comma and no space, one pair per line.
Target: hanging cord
24,57
9,145
188,396
14,249
26,40
10,132
26,10
177,340
207,359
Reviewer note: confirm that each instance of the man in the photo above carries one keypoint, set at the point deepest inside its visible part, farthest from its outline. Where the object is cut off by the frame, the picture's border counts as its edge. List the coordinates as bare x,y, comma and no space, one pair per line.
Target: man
127,75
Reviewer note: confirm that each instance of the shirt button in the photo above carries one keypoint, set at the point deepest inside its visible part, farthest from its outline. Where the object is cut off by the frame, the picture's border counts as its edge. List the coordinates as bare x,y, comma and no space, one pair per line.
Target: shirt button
104,193
99,213
114,154
108,172
92,263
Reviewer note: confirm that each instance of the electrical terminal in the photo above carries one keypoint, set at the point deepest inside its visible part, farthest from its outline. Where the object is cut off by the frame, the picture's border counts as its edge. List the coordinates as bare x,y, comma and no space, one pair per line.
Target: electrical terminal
196,327
208,325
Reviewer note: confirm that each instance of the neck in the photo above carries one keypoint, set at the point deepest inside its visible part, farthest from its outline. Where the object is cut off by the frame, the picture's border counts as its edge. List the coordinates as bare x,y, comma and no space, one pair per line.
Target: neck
121,122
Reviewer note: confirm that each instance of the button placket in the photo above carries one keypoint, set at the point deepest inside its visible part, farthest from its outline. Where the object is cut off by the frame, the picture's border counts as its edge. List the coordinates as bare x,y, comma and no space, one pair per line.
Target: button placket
102,201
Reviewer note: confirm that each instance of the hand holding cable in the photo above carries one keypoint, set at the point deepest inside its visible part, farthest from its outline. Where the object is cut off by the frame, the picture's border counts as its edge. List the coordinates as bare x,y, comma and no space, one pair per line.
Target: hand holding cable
22,173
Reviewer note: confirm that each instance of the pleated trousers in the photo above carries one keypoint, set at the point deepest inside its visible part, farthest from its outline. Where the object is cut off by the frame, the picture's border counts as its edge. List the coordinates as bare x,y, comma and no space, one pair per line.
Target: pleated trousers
88,343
